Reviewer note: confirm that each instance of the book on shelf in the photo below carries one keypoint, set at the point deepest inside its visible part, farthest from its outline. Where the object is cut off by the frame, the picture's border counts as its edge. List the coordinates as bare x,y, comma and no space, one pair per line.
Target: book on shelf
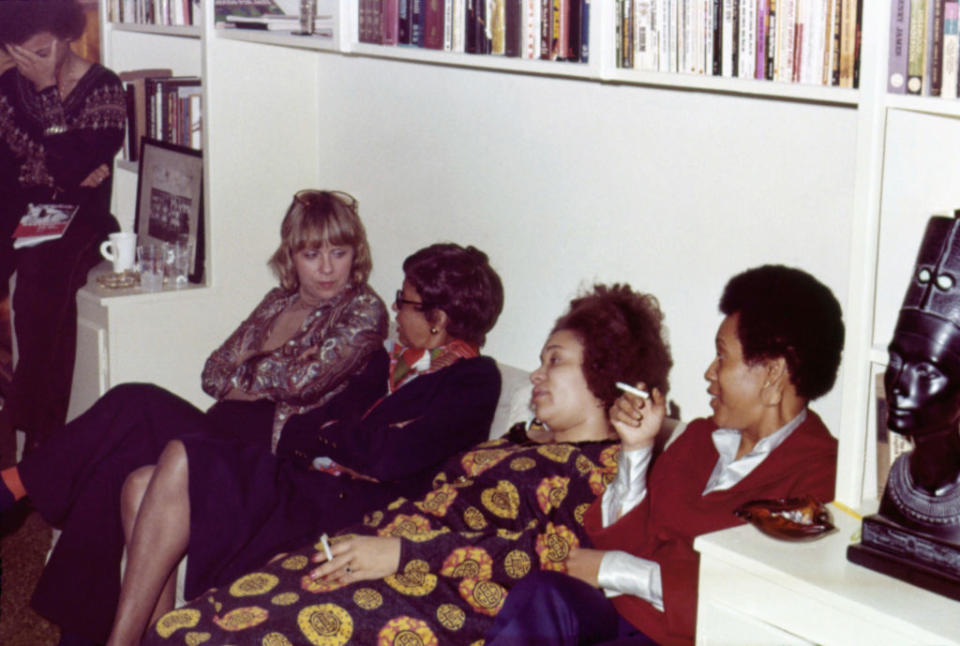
43,222
171,111
951,49
924,48
134,83
222,9
933,58
791,41
544,29
154,12
916,47
899,37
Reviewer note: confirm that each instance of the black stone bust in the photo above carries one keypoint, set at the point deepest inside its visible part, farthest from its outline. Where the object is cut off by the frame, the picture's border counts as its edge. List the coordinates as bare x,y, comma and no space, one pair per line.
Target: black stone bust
915,536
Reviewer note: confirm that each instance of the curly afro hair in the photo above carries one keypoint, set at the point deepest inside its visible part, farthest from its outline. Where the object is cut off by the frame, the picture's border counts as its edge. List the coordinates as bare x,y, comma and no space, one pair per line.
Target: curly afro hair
623,339
786,312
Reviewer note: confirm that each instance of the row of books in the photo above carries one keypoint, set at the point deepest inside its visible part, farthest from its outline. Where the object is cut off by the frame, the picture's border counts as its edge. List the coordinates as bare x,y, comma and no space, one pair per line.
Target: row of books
534,29
815,42
164,107
924,43
155,12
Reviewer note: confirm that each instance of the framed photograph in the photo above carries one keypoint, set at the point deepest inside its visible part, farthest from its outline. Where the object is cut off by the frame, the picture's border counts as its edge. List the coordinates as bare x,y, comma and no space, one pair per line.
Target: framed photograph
170,199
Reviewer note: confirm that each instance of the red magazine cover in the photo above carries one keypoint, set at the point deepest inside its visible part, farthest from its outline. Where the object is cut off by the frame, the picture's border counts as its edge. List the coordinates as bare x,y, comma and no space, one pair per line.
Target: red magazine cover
43,222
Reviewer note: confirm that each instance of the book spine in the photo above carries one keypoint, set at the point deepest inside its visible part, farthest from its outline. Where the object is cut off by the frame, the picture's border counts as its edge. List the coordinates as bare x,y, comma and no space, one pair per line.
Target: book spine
729,40
814,63
513,39
916,46
390,22
666,39
951,49
484,35
574,27
130,143
585,31
763,24
770,70
799,28
459,26
934,59
835,45
530,29
641,41
717,26
786,22
417,22
432,20
403,22
747,56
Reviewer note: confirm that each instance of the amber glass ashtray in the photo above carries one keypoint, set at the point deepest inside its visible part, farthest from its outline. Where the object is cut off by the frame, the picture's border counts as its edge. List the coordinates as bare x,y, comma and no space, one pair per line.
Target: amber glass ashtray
789,519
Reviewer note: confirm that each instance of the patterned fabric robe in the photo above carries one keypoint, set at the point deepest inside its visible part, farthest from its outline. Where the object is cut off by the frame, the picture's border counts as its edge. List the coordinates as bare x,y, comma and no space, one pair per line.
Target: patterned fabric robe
494,513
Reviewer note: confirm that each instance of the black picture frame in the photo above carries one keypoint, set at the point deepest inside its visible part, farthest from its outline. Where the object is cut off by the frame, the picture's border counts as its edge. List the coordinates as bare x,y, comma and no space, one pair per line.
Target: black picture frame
170,198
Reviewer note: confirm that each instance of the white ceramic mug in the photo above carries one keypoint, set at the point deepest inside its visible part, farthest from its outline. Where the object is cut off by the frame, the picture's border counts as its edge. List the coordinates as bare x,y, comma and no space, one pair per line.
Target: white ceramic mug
121,250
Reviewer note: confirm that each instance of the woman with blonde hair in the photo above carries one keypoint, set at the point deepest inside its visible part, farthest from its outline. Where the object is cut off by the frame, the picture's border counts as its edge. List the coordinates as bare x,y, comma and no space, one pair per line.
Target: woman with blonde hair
314,341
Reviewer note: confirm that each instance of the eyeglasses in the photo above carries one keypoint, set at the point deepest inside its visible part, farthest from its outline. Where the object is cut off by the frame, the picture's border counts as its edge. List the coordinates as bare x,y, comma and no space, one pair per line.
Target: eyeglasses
400,301
308,196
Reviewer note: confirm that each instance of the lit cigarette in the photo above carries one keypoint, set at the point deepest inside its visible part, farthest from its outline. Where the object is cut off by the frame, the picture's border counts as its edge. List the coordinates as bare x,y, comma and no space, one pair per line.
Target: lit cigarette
627,388
326,547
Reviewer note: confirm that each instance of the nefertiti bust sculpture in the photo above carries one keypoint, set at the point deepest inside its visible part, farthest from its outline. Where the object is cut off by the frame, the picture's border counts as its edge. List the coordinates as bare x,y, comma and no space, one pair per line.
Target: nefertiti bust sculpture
916,534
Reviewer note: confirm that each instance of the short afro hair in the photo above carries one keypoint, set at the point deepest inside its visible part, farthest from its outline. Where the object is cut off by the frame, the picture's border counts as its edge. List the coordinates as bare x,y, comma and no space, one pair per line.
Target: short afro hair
20,20
623,339
461,282
786,312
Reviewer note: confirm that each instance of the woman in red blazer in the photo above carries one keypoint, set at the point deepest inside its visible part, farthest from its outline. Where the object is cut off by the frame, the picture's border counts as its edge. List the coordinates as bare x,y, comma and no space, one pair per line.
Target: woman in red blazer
778,348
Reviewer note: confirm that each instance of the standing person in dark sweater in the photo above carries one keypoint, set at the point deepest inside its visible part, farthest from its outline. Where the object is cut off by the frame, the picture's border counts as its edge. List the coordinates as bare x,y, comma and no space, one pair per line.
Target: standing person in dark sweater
62,120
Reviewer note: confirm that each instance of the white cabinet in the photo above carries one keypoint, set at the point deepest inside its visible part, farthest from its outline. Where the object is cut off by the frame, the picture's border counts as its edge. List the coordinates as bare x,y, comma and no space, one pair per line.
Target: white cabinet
758,590
126,335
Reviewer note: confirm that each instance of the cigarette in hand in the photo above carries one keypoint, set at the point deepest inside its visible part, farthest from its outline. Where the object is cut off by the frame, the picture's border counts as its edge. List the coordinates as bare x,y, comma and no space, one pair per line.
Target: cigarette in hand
325,541
627,388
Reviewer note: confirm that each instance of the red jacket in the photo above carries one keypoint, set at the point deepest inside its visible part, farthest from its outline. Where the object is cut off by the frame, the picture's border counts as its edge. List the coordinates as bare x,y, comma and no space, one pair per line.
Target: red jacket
673,513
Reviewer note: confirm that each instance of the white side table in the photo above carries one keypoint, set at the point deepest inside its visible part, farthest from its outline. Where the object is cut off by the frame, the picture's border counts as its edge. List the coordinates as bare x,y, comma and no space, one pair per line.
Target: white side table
757,590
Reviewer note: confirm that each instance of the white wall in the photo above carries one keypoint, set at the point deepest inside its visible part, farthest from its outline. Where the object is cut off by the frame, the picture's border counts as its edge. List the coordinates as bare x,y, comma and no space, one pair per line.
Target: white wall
566,182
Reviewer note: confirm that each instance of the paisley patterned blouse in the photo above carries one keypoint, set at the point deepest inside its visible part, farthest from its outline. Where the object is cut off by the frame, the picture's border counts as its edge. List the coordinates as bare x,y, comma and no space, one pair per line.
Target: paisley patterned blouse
309,369
494,514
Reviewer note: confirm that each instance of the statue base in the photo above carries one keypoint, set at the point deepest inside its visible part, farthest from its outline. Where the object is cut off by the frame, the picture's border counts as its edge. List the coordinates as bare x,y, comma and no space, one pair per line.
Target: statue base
908,555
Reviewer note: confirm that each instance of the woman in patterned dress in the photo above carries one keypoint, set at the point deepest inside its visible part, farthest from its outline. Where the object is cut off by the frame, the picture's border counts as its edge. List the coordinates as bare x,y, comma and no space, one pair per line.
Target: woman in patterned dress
435,569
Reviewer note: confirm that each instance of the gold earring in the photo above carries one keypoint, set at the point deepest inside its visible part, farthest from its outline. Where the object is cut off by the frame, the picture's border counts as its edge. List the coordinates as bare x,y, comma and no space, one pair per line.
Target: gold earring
433,330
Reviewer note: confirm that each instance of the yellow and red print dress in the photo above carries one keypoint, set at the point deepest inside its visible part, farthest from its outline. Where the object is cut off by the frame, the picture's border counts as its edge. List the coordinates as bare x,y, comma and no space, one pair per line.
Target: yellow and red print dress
494,514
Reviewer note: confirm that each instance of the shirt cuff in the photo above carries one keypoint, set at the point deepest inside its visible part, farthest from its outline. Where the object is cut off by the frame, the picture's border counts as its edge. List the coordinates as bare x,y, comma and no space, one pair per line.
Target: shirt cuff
629,487
623,573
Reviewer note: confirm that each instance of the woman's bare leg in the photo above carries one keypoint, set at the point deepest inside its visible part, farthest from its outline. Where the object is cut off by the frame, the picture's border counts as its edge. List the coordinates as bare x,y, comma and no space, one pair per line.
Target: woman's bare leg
131,498
158,540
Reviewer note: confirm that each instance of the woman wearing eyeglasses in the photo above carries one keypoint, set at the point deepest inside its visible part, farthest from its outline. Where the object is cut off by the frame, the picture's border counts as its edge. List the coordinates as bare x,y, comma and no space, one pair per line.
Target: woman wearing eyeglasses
229,507
314,341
